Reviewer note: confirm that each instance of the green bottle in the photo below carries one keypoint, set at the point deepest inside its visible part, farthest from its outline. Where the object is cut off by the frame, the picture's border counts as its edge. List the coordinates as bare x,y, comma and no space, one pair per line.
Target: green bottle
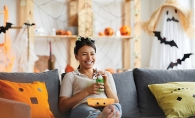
100,80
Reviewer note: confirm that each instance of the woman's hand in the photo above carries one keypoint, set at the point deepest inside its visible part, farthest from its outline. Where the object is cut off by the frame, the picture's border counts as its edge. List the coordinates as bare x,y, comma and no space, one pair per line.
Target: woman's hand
103,73
95,88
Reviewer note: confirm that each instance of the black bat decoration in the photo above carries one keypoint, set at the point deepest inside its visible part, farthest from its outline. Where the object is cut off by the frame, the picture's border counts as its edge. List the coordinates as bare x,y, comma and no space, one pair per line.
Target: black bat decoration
3,29
28,24
163,40
171,65
172,19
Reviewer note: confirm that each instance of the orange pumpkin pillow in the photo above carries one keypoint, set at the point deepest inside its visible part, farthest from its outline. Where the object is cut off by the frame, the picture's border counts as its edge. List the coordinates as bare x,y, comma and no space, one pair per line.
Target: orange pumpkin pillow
34,94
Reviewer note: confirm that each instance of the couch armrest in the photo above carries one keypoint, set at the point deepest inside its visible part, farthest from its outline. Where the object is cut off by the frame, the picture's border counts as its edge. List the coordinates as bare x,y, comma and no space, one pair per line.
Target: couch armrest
14,109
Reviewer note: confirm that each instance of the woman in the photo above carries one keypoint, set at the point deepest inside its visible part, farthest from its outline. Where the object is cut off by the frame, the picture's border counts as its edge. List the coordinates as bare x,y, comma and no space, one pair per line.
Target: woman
79,85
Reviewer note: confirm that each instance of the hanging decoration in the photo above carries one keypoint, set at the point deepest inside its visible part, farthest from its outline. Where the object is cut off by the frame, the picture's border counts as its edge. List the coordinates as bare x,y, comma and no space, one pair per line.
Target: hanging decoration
21,47
172,25
6,56
179,61
163,40
50,60
3,29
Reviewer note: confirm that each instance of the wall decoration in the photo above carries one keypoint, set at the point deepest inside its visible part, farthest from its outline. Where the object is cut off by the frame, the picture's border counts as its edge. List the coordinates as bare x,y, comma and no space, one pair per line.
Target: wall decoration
3,29
6,53
163,40
20,45
172,24
102,14
179,61
41,65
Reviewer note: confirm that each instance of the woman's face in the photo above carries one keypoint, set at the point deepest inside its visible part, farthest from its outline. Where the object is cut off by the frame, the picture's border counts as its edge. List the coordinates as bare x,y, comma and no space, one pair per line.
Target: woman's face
86,57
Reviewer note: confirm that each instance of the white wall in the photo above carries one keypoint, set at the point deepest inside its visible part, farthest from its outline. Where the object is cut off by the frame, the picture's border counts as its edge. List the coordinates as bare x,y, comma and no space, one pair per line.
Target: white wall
111,57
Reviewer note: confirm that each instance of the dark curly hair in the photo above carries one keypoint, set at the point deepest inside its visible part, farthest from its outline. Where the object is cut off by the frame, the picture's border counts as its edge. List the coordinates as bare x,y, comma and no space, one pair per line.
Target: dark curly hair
81,41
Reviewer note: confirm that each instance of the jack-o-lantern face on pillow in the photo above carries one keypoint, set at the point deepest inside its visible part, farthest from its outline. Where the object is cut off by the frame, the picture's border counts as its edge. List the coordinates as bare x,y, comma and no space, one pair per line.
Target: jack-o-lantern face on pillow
125,30
108,31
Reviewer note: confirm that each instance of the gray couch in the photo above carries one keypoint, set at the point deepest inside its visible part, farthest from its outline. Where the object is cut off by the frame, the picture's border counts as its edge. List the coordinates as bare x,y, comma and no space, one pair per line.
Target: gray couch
132,87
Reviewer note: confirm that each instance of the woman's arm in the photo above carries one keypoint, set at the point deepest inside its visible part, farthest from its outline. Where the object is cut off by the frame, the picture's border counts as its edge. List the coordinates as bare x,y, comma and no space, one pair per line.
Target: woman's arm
66,103
109,86
109,93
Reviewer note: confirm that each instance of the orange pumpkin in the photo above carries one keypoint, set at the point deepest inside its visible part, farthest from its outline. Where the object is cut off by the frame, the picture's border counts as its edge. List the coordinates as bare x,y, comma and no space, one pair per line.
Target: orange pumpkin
125,30
58,32
69,68
111,70
108,31
69,33
101,33
63,32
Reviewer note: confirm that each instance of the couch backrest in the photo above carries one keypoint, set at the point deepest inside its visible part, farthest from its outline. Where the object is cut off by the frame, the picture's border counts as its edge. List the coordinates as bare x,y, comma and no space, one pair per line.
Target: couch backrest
127,94
143,77
51,79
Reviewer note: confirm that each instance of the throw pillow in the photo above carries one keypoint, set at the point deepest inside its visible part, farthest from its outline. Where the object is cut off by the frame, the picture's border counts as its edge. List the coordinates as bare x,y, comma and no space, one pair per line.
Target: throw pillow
34,94
176,99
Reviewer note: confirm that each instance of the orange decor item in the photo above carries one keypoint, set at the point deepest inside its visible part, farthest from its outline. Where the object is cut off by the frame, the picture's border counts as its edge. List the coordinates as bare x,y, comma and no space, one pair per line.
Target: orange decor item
58,32
69,68
69,33
99,102
63,32
125,30
34,94
111,70
108,31
101,33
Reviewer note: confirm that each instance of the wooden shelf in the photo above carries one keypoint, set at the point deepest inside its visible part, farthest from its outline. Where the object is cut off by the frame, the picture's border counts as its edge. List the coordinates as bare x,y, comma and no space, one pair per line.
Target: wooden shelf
75,36
57,36
120,37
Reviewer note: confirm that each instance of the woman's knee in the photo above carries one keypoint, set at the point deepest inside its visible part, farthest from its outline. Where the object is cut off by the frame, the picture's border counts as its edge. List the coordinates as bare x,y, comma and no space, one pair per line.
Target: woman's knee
118,106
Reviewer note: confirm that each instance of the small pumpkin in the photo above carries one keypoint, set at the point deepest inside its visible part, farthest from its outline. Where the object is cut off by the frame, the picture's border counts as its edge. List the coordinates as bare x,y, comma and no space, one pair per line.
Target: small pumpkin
58,32
111,70
125,30
69,68
63,32
108,31
69,33
101,33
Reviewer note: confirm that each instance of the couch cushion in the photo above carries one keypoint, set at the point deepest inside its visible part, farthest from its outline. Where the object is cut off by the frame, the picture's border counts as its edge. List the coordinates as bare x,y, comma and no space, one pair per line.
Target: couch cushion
34,94
127,94
14,109
143,77
51,79
177,99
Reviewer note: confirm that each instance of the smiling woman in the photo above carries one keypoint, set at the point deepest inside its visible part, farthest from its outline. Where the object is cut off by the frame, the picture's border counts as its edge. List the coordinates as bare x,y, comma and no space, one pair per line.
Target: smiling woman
80,85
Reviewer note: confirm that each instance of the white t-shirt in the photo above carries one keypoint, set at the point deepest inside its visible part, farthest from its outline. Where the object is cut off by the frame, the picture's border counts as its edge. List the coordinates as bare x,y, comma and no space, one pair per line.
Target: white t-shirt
74,82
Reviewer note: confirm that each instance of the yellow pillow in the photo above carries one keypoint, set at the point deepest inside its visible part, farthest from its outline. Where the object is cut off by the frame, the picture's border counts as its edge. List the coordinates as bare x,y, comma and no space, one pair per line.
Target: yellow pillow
176,99
34,94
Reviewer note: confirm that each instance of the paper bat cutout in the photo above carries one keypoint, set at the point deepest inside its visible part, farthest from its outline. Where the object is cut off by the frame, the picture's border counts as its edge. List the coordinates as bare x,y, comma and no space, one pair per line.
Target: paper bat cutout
172,19
179,61
28,24
3,29
163,40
